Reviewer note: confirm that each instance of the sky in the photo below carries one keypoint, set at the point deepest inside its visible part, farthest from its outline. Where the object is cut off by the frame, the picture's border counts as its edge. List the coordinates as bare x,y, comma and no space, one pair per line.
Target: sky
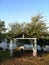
22,10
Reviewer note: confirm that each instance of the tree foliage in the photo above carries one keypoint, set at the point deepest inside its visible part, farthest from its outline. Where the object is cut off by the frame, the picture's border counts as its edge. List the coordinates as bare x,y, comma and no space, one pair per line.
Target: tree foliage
36,28
2,29
15,28
2,26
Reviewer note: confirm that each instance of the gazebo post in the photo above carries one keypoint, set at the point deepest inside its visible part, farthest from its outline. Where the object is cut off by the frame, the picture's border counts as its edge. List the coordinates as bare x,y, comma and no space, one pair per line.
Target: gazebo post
14,41
35,47
11,47
31,44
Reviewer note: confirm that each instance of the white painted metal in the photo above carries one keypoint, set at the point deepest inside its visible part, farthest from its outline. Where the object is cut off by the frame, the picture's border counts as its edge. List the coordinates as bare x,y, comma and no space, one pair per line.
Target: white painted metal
25,38
34,46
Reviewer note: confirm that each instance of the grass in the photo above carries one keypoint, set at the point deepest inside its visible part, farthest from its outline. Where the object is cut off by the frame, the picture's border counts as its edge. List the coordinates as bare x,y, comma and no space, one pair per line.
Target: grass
4,55
25,59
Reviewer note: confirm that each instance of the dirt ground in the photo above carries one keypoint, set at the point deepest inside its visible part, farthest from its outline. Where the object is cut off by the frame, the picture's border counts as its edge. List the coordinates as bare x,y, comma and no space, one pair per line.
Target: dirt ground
26,59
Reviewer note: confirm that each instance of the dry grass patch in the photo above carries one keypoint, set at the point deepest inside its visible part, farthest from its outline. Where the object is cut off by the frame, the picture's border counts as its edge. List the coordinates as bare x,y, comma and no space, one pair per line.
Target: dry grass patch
27,59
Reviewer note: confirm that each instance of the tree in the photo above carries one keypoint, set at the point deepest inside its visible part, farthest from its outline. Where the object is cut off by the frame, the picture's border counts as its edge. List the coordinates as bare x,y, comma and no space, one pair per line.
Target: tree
37,27
2,29
14,29
2,26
